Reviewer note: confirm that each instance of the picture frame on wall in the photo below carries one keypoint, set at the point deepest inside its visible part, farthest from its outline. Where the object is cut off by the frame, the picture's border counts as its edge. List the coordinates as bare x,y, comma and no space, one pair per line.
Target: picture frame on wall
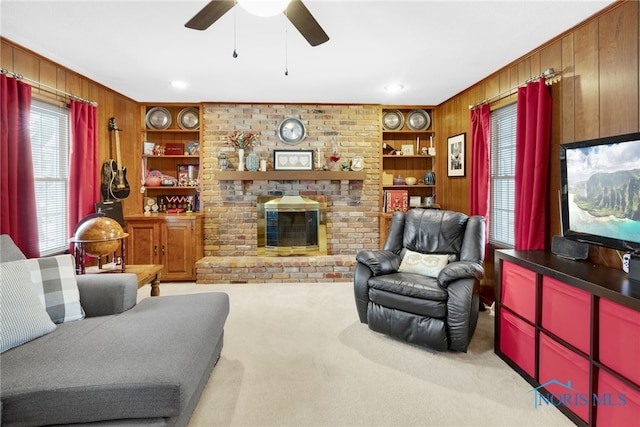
293,160
456,149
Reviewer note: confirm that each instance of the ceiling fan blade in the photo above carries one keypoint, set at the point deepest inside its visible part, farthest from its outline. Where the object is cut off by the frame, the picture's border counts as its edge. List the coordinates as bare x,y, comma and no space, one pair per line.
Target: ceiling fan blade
210,14
302,19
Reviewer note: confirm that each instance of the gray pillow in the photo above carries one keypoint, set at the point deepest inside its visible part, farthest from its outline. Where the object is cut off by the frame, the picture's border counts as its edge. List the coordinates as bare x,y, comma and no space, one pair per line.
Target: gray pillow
22,318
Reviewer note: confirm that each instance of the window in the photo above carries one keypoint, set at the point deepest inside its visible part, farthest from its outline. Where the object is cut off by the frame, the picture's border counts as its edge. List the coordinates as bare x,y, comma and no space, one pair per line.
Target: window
503,167
50,150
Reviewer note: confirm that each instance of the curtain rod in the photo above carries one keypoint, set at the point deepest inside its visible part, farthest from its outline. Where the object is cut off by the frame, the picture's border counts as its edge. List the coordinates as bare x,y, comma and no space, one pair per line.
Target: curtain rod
548,74
42,85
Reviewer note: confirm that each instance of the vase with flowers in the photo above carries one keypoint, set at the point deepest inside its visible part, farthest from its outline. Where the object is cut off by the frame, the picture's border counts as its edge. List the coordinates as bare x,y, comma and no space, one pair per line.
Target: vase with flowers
241,140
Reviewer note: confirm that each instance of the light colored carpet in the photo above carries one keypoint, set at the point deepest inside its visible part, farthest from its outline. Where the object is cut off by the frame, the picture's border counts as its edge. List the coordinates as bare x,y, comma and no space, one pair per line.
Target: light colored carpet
297,355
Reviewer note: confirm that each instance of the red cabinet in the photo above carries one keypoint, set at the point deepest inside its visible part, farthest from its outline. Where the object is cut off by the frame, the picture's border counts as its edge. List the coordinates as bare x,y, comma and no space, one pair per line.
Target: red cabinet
572,329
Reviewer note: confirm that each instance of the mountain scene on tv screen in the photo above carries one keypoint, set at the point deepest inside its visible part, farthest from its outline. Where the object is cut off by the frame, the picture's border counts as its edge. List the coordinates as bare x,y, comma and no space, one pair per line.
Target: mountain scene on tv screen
614,194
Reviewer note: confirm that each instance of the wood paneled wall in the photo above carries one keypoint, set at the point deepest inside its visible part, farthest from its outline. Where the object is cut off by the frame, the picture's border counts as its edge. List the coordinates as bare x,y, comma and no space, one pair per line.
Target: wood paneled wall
596,96
110,103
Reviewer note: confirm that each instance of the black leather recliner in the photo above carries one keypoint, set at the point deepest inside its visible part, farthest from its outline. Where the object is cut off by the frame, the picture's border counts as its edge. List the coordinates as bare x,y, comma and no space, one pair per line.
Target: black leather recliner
440,312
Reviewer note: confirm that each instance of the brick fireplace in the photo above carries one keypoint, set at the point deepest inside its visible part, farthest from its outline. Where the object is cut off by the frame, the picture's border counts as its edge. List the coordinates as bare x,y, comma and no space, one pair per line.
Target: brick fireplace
229,205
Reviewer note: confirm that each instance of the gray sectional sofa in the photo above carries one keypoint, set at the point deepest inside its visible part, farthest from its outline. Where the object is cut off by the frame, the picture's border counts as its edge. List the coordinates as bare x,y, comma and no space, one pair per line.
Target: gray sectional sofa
123,364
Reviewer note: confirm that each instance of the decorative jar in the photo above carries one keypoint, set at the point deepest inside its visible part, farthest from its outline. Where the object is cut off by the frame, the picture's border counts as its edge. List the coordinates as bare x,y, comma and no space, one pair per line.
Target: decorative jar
253,162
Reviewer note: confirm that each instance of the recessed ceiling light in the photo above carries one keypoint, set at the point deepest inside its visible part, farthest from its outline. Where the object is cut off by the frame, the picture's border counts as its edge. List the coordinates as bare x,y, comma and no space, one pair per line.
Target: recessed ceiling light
179,84
394,87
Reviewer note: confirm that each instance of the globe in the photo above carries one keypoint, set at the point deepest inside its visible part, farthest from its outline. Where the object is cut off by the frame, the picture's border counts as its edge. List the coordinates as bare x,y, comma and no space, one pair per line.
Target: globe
99,236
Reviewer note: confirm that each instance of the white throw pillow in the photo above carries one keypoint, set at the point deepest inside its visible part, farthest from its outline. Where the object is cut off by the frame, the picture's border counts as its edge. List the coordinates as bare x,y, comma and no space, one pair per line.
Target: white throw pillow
54,280
22,317
423,264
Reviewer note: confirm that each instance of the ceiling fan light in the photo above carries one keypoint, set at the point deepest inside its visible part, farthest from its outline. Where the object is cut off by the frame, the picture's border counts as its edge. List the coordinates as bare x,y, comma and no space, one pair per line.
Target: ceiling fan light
264,7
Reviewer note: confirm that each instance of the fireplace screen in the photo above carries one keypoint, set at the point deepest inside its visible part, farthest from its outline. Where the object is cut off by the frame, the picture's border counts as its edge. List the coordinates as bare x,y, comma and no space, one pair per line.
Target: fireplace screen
292,226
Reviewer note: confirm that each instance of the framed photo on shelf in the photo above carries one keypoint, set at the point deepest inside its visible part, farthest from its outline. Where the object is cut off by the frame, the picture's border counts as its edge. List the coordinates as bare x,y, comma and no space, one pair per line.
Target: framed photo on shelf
187,173
407,150
456,155
193,148
293,160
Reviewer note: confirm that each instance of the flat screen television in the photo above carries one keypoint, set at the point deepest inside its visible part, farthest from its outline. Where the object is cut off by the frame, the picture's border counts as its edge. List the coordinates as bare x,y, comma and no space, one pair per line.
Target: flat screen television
600,191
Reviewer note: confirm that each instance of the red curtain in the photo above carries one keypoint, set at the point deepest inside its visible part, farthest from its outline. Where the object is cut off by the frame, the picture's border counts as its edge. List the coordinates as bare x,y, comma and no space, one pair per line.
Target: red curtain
533,140
480,185
18,214
84,171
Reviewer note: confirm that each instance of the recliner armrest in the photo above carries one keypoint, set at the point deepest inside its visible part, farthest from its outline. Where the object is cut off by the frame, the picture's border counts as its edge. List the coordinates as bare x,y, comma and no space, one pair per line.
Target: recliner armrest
459,270
107,293
379,262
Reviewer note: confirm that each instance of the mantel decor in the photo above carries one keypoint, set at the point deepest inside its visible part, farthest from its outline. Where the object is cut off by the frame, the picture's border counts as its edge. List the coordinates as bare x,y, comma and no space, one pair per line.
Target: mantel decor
231,175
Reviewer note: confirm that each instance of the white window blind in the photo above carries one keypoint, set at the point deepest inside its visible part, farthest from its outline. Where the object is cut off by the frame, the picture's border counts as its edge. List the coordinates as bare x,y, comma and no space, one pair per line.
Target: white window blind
503,167
50,149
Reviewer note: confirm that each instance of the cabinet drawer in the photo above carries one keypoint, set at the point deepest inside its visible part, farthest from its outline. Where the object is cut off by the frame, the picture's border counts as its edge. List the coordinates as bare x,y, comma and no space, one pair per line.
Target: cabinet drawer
519,290
558,363
517,341
618,405
620,339
566,312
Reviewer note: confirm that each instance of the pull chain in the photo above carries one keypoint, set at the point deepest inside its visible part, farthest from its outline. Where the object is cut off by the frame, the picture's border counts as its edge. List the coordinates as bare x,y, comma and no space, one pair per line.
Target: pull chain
286,44
235,52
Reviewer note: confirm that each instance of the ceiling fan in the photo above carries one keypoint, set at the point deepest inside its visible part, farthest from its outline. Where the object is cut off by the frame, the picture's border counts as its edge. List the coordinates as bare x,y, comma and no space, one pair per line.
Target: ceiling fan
295,11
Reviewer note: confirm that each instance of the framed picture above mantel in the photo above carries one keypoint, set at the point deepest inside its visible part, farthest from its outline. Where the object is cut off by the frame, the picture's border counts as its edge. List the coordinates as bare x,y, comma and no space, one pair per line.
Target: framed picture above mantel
298,160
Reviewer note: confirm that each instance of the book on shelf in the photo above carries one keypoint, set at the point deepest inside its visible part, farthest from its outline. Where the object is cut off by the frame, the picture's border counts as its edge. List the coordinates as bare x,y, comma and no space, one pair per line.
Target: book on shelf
396,200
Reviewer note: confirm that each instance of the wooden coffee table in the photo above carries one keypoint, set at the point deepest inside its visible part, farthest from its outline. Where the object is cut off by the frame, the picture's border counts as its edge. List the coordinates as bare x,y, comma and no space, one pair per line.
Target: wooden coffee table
145,273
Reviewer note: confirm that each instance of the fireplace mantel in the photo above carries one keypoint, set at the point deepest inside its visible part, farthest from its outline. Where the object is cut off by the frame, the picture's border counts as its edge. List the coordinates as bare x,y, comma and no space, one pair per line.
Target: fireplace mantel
290,175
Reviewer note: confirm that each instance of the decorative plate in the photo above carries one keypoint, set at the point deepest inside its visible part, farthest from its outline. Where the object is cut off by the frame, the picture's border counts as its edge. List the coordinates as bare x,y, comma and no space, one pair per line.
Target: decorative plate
392,120
357,163
158,118
291,131
188,118
418,120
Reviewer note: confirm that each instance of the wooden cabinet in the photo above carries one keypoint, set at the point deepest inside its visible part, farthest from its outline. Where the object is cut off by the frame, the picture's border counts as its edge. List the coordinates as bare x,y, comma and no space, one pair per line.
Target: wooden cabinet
572,330
407,134
173,241
171,139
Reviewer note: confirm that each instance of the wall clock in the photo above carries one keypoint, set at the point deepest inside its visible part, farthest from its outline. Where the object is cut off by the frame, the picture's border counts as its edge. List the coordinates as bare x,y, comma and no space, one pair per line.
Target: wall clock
291,131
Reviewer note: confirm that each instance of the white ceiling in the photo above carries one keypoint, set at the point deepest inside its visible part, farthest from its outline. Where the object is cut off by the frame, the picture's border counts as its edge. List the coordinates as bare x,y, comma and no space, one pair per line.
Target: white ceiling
434,48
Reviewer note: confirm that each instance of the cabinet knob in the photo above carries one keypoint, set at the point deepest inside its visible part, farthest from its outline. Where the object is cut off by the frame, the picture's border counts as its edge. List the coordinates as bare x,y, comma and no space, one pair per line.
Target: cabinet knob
155,249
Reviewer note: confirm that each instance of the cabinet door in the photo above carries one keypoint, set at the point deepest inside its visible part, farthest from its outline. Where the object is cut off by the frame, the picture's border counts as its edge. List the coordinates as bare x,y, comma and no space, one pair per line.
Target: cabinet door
177,250
143,243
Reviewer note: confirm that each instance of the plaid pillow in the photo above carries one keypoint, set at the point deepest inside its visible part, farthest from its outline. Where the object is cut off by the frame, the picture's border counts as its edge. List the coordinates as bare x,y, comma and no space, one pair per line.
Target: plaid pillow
54,280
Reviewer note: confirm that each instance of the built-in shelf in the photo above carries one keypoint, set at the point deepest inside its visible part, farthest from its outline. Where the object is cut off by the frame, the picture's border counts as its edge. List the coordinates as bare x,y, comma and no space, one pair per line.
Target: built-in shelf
172,187
290,175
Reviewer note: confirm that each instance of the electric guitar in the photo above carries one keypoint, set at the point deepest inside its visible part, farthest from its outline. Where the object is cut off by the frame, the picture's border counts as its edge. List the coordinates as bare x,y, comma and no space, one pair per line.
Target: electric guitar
114,176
